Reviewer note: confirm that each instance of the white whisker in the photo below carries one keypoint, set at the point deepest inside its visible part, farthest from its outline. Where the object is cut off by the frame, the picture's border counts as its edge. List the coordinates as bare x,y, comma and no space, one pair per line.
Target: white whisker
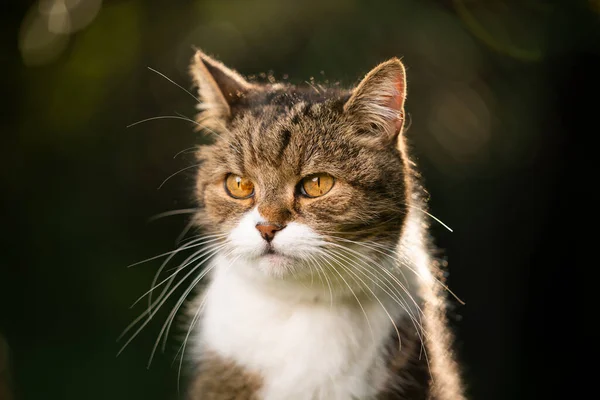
432,216
174,83
185,230
184,151
173,212
189,245
172,175
161,117
178,269
399,256
158,306
183,263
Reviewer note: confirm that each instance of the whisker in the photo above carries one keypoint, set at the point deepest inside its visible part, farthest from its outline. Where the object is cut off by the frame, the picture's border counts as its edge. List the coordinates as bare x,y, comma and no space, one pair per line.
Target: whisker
370,259
388,284
161,117
184,232
158,306
184,151
184,262
174,83
148,311
173,212
194,237
184,118
405,265
220,136
172,254
172,175
196,257
432,216
397,296
345,248
187,246
306,255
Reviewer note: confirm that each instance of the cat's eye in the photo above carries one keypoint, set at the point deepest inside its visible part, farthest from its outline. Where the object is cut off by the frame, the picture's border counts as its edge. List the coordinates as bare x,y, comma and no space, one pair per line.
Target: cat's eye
316,185
239,187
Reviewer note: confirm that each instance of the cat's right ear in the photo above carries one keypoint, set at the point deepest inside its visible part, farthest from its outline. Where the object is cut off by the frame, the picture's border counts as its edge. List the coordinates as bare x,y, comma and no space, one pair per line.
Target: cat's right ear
219,88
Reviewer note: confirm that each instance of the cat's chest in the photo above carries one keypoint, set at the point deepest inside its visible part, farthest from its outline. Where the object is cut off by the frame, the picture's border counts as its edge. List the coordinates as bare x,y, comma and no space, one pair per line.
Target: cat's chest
301,350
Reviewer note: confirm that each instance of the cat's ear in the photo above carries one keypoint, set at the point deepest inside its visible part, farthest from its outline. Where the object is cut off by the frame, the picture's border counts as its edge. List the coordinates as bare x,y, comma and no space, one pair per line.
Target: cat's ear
219,87
377,102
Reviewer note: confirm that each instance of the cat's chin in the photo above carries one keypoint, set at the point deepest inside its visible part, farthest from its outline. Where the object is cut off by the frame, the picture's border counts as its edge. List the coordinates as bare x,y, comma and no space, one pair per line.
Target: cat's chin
276,264
272,264
273,258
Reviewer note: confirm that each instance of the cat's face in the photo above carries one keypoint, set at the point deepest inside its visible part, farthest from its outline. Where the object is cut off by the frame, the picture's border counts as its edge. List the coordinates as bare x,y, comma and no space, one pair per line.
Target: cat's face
298,181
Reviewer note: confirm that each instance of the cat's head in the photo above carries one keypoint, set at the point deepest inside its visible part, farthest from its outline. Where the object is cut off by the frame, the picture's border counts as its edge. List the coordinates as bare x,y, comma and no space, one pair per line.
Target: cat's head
302,179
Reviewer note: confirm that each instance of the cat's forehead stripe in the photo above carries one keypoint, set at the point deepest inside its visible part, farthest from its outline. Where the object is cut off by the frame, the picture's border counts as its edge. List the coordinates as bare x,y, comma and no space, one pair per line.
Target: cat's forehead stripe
286,136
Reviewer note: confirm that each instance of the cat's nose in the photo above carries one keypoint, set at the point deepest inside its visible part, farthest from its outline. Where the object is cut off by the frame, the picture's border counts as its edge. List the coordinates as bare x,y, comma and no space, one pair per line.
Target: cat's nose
268,230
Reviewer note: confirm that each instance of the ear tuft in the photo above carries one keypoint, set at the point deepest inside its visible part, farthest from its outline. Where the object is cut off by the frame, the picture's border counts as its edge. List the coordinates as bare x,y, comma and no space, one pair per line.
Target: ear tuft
219,87
378,100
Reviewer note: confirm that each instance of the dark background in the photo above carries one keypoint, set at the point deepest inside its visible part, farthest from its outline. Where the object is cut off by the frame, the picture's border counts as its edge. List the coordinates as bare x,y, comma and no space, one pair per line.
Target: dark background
503,99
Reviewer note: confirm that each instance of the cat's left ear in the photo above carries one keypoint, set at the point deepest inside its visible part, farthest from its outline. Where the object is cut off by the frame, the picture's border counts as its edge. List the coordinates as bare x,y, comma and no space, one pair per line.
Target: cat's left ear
377,102
219,88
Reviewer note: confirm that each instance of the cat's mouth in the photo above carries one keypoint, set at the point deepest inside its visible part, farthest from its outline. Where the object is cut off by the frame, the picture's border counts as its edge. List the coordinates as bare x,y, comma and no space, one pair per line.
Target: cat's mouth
270,253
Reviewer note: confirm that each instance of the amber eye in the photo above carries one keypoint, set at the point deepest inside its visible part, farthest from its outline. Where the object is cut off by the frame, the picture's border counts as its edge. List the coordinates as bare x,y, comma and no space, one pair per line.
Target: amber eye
238,187
316,185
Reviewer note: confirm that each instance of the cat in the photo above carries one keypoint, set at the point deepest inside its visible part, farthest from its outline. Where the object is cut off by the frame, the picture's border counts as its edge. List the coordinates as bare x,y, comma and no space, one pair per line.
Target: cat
320,283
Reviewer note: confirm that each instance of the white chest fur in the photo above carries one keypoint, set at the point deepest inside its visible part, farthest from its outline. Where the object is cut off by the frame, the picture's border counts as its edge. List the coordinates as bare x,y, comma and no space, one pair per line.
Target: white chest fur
303,349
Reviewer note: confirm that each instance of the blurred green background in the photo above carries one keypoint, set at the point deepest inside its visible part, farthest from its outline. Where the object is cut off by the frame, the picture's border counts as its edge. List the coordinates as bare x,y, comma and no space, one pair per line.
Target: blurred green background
497,93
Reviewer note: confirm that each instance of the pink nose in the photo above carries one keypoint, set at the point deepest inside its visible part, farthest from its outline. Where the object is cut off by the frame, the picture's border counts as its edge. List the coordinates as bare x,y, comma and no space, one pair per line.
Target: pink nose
268,231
